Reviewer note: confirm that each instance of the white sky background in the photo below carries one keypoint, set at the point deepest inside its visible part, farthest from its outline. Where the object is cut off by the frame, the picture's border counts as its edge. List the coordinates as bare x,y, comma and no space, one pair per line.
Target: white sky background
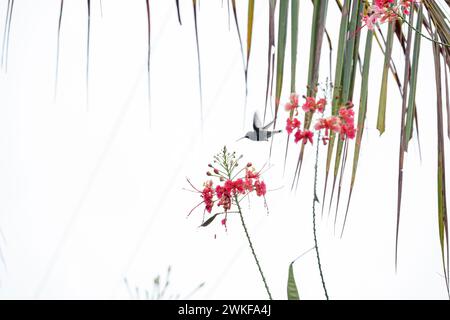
89,196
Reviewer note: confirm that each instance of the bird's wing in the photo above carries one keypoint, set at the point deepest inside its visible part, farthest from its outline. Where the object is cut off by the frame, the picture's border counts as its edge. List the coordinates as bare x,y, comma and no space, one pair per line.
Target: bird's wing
256,122
268,125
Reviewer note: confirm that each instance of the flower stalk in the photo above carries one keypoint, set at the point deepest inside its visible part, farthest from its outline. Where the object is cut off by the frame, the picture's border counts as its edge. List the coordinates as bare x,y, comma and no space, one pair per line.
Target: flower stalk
252,249
316,199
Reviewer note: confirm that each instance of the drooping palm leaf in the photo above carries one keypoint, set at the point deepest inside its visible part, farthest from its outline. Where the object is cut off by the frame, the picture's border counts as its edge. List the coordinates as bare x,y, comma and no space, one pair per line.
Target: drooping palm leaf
317,33
281,49
381,120
236,22
413,85
402,40
9,33
442,30
408,79
337,92
294,41
441,185
88,44
177,3
294,45
5,32
361,116
229,15
402,131
147,6
270,52
57,47
351,52
194,5
345,94
5,49
441,20
447,98
250,14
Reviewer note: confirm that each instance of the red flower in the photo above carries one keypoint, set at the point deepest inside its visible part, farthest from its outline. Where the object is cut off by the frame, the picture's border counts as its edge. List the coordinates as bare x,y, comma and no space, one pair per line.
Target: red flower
248,185
320,106
292,124
383,3
305,136
251,174
348,118
309,105
344,123
385,10
260,188
348,115
294,99
225,201
220,191
293,103
239,186
208,195
332,123
348,131
229,186
289,107
312,105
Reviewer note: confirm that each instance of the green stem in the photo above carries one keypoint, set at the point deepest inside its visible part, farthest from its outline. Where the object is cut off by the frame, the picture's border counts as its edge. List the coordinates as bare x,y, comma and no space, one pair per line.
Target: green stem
420,33
251,247
315,199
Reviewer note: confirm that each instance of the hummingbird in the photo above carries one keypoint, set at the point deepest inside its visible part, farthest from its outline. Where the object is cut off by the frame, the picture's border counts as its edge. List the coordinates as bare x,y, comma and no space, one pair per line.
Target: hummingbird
260,132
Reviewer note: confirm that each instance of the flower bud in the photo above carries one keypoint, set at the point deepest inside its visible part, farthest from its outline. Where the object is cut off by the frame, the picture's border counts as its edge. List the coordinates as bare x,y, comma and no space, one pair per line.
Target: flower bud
249,164
208,173
216,171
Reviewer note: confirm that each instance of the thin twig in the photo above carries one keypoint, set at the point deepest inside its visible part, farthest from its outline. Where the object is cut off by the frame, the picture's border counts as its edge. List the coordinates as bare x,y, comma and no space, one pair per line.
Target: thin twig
315,199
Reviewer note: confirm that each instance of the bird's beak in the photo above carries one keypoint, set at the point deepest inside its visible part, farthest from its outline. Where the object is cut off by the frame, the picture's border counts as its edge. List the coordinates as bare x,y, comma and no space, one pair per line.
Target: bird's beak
240,139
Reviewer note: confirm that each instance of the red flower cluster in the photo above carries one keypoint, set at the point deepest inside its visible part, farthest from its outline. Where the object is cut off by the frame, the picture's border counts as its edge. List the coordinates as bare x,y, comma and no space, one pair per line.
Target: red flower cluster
347,116
382,11
240,186
293,123
311,105
231,187
343,123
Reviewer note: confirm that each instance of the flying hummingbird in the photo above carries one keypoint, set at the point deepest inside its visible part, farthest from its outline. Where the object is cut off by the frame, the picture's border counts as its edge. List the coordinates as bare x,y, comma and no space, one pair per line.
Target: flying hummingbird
259,132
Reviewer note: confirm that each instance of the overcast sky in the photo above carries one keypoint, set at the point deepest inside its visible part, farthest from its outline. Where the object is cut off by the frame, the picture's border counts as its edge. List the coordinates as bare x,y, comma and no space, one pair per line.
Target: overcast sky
92,194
